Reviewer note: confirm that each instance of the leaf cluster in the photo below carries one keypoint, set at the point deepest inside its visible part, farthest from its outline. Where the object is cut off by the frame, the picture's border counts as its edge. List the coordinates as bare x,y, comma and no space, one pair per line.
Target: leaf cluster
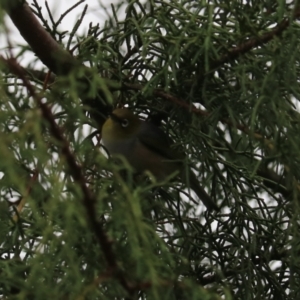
222,79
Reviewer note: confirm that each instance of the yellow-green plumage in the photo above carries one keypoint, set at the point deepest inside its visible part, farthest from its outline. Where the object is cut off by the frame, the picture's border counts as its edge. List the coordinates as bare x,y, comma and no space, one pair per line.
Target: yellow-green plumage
146,147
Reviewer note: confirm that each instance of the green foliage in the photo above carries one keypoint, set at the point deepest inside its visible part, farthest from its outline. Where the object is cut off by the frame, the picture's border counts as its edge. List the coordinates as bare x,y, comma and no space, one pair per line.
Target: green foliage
224,84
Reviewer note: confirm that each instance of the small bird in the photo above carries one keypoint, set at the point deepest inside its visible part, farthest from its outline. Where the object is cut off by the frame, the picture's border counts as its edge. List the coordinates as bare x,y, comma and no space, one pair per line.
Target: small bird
147,147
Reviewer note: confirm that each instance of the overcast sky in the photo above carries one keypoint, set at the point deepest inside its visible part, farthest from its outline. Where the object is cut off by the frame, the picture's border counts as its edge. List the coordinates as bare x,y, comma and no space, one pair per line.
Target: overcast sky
95,14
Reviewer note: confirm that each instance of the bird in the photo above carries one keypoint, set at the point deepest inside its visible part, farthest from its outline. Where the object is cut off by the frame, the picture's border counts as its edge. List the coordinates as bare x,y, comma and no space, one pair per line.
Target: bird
148,148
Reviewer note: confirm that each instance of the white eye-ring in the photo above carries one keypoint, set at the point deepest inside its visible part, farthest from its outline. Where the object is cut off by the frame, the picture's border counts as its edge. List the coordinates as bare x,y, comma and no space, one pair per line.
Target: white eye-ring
124,123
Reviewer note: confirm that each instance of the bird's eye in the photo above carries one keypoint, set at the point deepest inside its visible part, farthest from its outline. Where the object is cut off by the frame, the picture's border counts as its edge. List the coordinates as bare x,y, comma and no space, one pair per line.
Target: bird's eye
124,123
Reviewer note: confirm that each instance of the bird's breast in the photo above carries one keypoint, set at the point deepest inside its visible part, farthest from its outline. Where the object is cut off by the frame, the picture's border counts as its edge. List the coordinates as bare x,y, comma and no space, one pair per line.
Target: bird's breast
141,158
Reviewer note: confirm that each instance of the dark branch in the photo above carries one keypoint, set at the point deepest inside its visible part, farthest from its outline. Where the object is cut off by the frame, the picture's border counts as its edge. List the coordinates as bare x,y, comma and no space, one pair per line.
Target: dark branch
89,199
59,61
235,52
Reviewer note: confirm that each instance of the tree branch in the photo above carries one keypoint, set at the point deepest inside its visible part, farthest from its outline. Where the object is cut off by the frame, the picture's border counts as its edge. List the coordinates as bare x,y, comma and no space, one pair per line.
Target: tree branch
243,48
59,61
89,199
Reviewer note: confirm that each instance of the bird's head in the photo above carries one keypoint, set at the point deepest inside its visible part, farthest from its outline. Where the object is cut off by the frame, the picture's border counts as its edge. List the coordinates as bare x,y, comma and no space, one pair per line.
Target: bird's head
122,124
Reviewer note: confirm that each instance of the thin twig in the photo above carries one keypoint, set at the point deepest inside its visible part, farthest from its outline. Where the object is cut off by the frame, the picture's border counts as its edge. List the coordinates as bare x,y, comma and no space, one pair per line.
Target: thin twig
22,202
243,48
67,12
89,199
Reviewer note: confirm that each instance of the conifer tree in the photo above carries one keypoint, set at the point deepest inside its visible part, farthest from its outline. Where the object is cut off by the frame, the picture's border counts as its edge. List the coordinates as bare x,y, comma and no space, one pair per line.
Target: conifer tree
221,78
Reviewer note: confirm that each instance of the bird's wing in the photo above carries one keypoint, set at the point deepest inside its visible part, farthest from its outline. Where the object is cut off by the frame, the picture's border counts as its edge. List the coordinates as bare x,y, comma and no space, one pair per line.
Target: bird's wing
155,139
